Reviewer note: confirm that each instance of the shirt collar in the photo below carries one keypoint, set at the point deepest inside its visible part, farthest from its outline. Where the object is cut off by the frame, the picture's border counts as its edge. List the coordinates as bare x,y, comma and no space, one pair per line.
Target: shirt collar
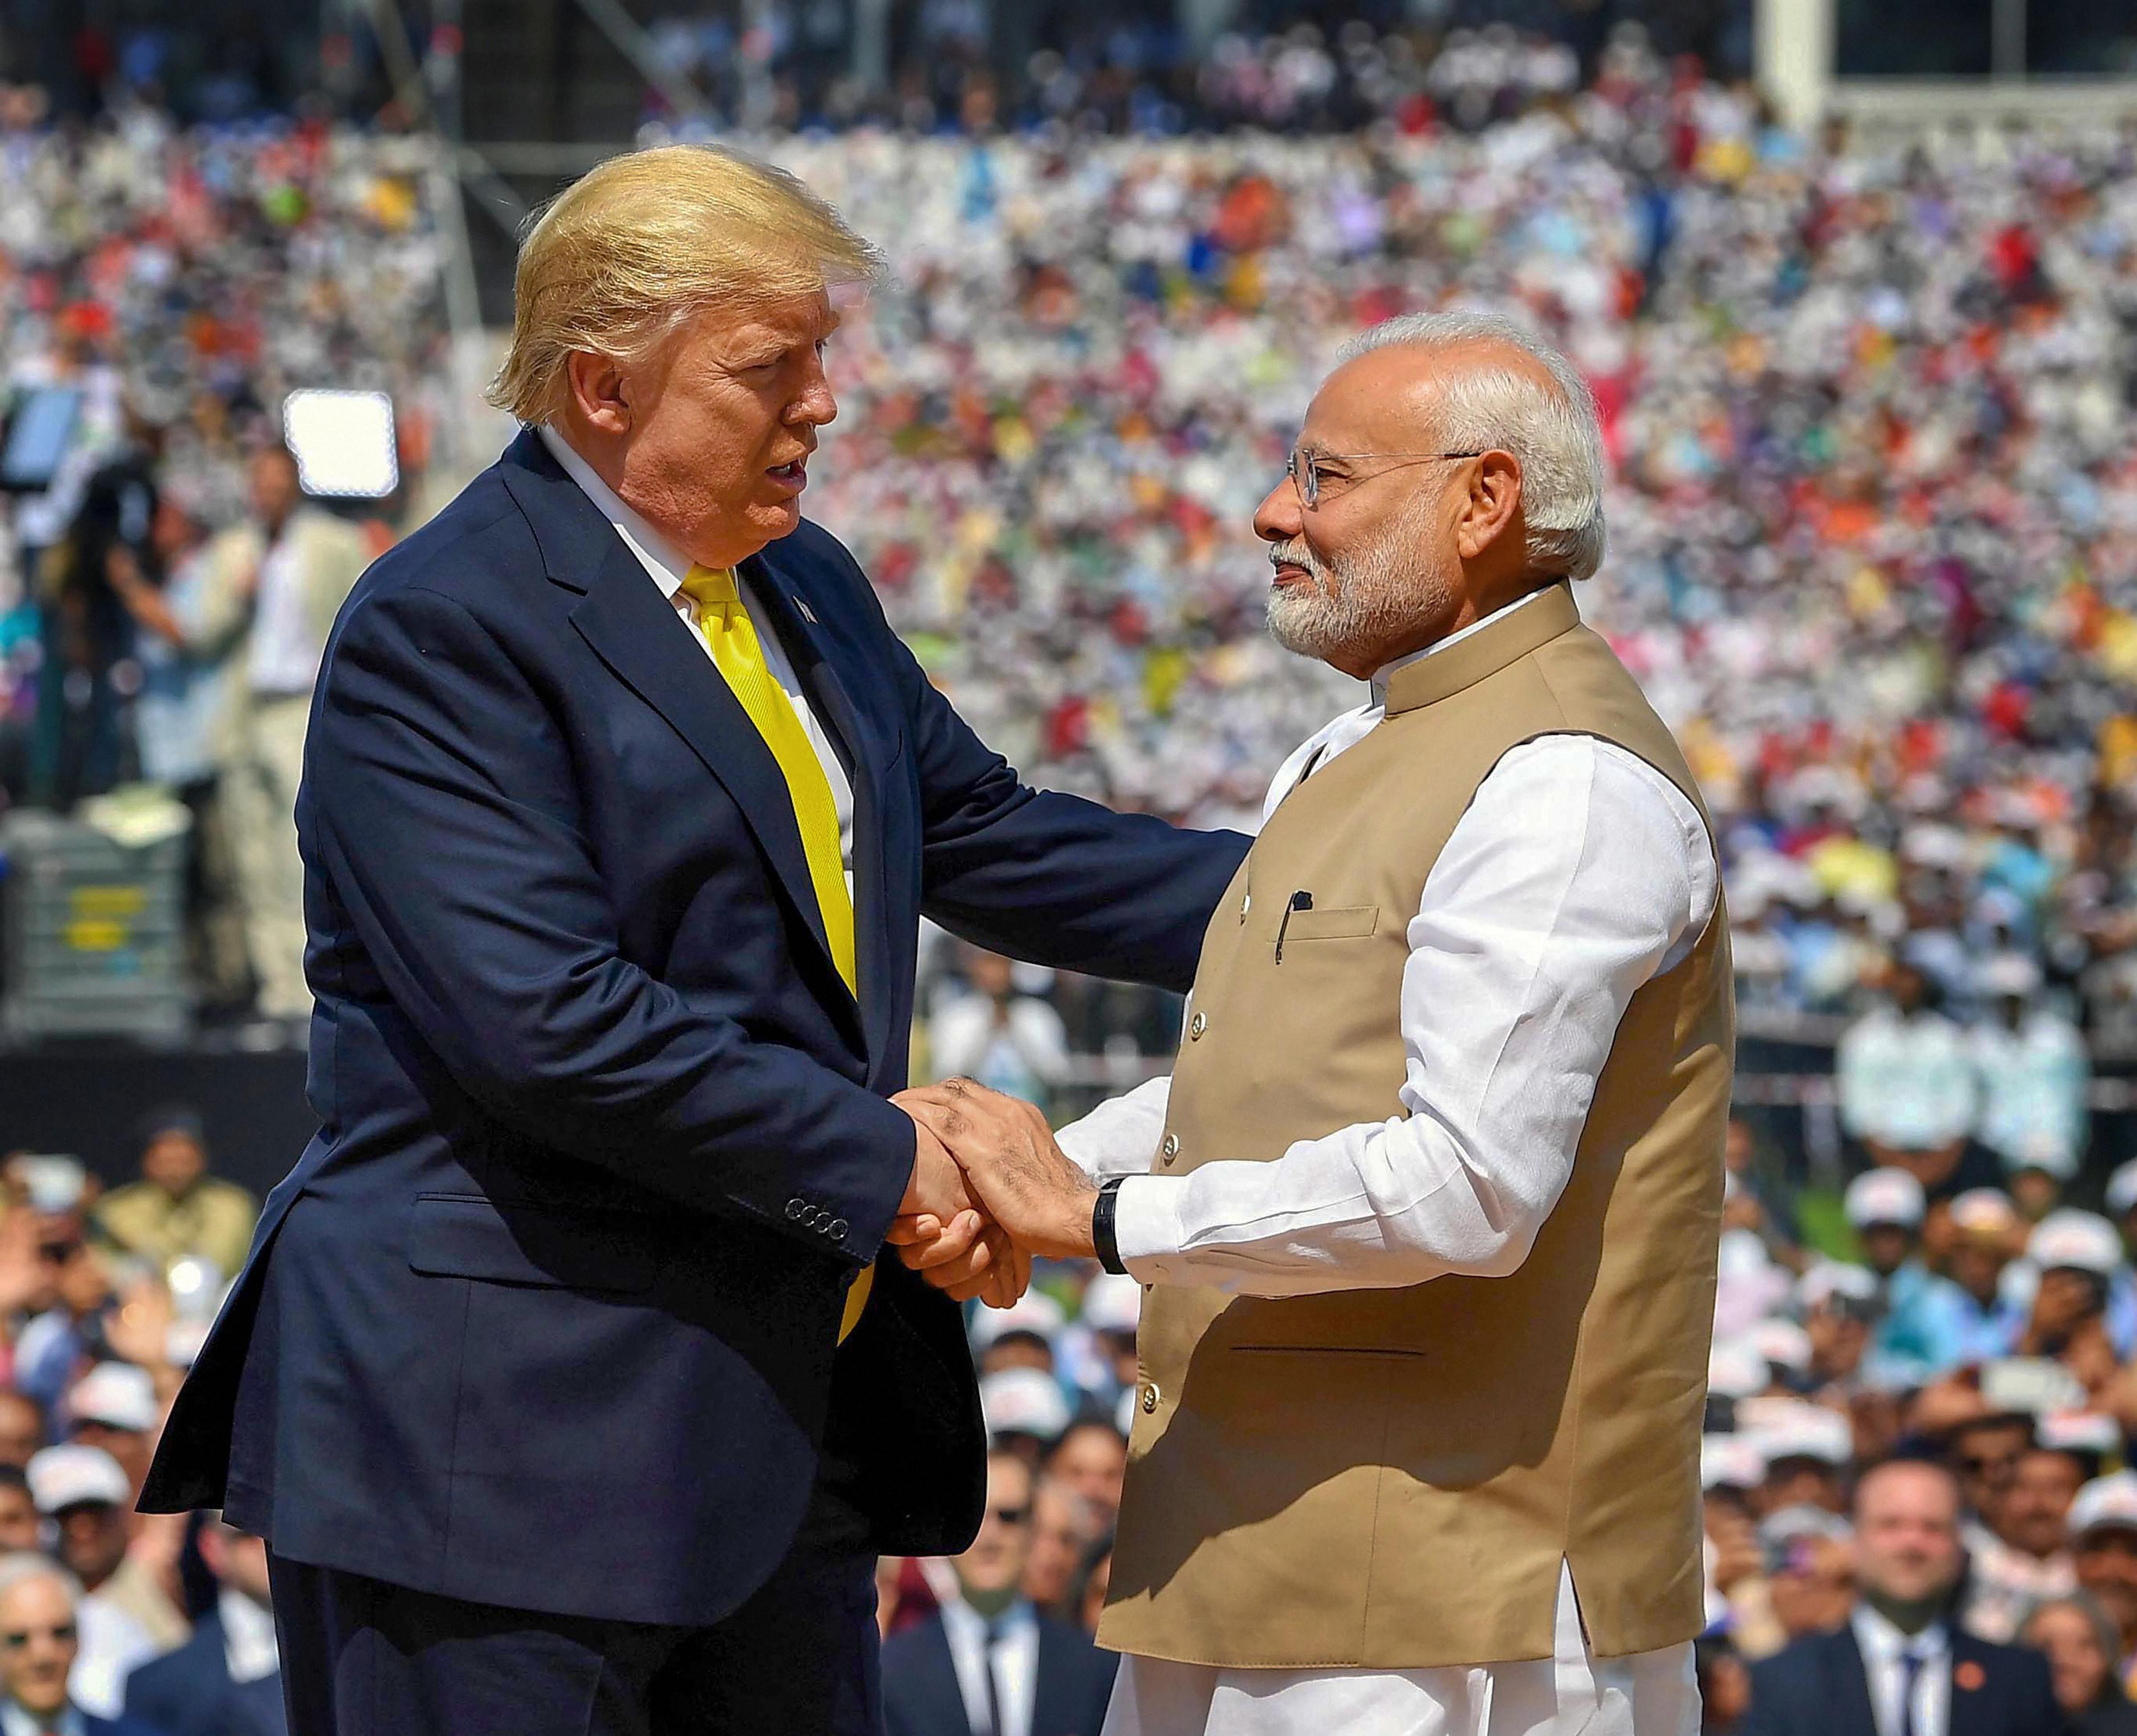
1018,1616
14,1721
1381,675
661,558
1882,1641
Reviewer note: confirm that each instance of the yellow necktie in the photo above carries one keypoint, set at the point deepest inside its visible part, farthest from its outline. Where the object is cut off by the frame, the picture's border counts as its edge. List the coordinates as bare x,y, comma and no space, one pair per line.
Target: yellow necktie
731,636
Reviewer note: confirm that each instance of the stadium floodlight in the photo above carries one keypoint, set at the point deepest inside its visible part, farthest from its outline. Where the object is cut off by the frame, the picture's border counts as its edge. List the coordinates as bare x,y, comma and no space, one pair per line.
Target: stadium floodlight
343,442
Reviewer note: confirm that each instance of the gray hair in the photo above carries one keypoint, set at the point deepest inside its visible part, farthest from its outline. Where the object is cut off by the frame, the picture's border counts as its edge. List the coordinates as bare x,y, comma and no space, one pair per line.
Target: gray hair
1555,434
25,1565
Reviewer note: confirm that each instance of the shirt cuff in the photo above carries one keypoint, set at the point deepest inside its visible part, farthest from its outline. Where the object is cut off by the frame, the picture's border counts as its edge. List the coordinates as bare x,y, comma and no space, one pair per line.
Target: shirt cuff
1146,1224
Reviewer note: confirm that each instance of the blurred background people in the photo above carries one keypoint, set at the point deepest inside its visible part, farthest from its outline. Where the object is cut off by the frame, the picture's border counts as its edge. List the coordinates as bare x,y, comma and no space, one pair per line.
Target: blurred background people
40,1645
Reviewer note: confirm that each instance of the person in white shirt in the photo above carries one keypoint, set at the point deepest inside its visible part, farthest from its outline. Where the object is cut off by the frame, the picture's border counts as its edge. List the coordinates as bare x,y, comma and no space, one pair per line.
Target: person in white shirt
1578,874
1906,1083
1900,1666
40,1646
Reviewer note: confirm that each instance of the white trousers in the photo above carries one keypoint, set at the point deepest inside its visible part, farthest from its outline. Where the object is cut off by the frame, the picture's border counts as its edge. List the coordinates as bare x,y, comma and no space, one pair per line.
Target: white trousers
1649,1694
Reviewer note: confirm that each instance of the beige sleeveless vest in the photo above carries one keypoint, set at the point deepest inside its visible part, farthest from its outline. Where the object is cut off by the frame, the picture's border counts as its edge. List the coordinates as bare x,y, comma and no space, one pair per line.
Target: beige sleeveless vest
1390,1479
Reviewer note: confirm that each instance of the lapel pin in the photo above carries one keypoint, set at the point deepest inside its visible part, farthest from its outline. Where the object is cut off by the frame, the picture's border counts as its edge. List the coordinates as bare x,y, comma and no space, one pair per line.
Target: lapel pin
808,614
1969,1676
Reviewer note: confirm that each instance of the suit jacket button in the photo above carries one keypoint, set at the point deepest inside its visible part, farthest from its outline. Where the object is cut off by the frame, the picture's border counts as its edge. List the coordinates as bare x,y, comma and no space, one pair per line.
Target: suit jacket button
838,1228
1171,1149
1149,1398
1197,1025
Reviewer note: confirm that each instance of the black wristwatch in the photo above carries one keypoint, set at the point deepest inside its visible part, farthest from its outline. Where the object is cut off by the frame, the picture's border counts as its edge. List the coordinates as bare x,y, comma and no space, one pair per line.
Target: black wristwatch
1104,1237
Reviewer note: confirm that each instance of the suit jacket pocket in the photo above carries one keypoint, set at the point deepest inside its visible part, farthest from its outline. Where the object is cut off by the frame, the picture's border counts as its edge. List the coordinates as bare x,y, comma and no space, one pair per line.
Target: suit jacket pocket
461,1235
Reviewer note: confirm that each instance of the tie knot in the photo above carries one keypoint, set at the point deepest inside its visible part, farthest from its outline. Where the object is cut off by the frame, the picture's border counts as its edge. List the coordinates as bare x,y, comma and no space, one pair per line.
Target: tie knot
708,586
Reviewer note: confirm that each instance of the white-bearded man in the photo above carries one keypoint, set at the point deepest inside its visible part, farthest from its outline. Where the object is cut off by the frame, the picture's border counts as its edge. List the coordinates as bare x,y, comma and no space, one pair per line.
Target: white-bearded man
1429,1209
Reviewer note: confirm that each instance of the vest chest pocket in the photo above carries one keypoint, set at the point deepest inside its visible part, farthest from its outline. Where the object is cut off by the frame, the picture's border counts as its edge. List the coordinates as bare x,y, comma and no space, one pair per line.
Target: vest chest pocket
1335,921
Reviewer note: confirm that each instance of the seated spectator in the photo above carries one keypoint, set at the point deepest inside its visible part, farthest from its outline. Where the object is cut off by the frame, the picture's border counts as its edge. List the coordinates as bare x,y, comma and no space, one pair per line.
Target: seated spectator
2078,1257
1022,1337
1810,1569
1985,1451
2033,1070
2121,1200
1906,1084
1092,1459
177,1211
228,1677
1759,1197
2080,1645
2018,1553
1739,1595
2103,1528
988,1662
1987,1235
1839,1306
1899,1661
126,1618
41,1642
1011,1040
1063,1525
1724,1685
1025,1413
1807,1449
21,1428
1885,1207
114,1407
20,1527
1111,1311
1092,1581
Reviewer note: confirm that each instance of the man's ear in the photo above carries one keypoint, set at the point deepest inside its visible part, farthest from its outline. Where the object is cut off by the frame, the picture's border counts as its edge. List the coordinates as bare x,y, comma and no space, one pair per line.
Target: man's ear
1493,505
600,391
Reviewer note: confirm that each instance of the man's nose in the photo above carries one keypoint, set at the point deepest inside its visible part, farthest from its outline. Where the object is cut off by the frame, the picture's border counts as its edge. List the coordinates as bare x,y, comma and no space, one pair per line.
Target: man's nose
1278,519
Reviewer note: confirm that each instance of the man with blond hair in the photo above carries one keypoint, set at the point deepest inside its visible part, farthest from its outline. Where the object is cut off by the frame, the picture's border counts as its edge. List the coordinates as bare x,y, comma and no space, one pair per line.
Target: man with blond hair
563,1380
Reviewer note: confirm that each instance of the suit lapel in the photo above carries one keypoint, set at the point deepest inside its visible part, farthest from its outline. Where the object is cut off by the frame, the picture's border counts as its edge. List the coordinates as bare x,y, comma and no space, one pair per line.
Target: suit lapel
633,629
1970,1687
1850,1686
778,591
945,1692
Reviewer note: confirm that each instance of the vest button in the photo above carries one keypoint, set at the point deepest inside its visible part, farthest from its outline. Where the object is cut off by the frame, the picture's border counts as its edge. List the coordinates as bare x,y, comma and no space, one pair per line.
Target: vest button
1197,1025
1149,1400
1171,1149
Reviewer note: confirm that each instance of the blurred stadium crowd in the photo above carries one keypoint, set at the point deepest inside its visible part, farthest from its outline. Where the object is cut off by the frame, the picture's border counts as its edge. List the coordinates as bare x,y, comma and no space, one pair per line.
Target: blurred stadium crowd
1874,552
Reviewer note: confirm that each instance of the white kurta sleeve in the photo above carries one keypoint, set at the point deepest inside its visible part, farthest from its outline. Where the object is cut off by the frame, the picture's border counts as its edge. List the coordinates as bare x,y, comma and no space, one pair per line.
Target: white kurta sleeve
1119,1137
1578,873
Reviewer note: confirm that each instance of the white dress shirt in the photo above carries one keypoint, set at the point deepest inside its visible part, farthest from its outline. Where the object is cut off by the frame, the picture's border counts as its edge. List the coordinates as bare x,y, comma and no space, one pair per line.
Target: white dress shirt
1012,1660
668,566
1884,1647
1578,873
15,1721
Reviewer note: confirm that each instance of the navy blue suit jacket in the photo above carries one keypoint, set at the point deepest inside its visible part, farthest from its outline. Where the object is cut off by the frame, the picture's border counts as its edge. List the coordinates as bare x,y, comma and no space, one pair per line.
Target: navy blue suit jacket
920,1696
545,1315
189,1692
1818,1687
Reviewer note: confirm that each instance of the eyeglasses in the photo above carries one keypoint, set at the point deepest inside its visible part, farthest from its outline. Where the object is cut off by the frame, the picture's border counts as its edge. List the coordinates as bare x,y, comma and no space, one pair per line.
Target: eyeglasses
1307,473
16,1638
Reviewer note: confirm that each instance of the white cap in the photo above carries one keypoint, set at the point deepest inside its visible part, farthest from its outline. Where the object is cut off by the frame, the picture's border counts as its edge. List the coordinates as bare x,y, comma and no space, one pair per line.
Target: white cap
2008,973
2105,1503
1735,1369
2122,1189
2077,1431
1827,1279
1113,1302
1730,1462
1794,1428
2045,1153
1023,1402
1884,1197
1785,1342
1034,1313
1803,1520
74,1475
118,1395
1984,1212
2080,1239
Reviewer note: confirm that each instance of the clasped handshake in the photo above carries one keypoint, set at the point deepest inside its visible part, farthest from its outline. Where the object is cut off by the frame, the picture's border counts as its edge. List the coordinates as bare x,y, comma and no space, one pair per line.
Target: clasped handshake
991,1189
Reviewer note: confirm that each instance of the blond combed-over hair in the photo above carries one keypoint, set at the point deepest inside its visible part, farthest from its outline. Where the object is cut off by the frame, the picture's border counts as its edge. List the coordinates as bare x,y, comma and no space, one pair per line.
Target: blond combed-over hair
636,248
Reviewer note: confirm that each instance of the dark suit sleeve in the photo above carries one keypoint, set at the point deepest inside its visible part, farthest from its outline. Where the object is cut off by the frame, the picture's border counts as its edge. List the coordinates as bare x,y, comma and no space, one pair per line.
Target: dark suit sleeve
1775,1710
446,818
1049,877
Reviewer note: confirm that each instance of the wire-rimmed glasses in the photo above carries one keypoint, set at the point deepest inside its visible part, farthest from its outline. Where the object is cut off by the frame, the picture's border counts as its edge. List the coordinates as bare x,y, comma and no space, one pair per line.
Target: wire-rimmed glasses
1303,467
